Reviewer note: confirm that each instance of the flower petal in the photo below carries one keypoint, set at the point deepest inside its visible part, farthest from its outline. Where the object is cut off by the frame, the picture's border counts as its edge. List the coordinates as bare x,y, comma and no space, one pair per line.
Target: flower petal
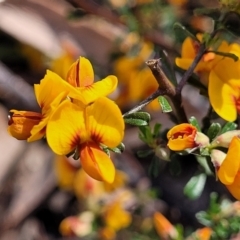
234,188
81,73
50,87
105,123
231,164
21,123
221,96
66,128
96,163
98,89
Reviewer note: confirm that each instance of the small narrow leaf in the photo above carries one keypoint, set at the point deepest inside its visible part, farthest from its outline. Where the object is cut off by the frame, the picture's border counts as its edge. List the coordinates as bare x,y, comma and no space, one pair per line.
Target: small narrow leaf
154,167
156,129
139,115
229,126
164,104
213,131
203,162
195,186
145,134
119,149
136,122
195,123
144,153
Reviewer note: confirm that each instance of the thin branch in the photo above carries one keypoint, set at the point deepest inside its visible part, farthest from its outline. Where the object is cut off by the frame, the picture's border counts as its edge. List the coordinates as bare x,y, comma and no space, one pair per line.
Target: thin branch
145,102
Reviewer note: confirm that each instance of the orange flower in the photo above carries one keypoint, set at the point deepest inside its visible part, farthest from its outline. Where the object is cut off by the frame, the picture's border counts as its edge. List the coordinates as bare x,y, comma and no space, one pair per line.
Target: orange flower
229,171
185,136
201,234
163,227
21,123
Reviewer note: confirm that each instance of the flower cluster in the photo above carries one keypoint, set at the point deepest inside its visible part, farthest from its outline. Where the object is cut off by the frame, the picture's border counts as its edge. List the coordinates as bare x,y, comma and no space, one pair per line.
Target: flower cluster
76,116
219,72
227,165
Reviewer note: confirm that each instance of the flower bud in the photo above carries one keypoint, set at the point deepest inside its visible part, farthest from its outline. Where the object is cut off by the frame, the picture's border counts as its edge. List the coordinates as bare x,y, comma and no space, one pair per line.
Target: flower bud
224,139
21,123
185,136
217,157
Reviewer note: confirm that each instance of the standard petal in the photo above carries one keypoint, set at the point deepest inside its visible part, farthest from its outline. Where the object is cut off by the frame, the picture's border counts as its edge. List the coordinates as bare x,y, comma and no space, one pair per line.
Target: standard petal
234,188
66,128
49,89
81,73
188,50
231,164
221,96
96,163
98,89
105,123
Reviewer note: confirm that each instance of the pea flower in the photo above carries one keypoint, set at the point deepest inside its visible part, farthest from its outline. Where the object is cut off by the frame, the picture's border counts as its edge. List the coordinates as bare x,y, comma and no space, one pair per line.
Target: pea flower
87,128
184,136
163,227
31,126
229,171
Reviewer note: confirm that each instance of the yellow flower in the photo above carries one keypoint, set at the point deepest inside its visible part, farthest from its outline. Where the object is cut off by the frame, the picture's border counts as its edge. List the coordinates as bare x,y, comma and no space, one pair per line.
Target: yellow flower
163,227
81,76
49,93
229,171
107,233
86,128
136,79
224,88
185,136
115,217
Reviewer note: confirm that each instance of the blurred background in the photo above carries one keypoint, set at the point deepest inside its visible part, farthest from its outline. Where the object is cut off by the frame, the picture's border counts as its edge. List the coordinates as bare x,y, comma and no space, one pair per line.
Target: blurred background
44,196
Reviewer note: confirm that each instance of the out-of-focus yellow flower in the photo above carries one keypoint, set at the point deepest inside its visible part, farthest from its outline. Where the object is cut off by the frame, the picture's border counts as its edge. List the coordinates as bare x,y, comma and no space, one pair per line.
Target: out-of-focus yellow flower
21,123
116,217
185,136
85,128
163,227
65,172
119,181
135,78
86,187
77,225
229,171
178,2
107,233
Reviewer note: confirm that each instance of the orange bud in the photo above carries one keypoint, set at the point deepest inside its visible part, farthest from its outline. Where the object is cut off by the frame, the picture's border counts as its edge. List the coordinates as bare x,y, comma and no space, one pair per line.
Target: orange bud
201,234
163,227
182,137
21,123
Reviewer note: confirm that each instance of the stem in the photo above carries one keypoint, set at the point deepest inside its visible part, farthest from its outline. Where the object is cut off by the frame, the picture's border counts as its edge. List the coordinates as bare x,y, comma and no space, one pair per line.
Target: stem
145,102
190,70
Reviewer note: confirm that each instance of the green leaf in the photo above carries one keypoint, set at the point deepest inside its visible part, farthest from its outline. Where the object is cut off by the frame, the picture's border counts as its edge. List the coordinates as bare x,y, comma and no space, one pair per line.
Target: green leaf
119,149
213,13
195,123
145,134
144,153
229,126
156,129
154,167
136,122
167,66
181,31
139,115
204,163
213,130
195,186
164,104
225,54
203,218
